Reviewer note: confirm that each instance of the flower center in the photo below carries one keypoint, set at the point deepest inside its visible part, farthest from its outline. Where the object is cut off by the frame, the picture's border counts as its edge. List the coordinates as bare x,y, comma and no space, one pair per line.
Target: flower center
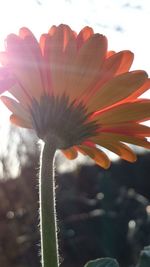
68,122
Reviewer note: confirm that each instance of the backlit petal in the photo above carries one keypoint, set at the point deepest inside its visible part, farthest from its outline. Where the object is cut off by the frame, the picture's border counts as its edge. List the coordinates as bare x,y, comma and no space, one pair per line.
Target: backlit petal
120,149
127,128
83,36
70,153
112,66
31,42
117,89
20,122
127,112
23,65
45,45
68,84
56,47
126,62
110,53
111,137
118,63
16,108
96,154
86,66
6,82
20,95
140,90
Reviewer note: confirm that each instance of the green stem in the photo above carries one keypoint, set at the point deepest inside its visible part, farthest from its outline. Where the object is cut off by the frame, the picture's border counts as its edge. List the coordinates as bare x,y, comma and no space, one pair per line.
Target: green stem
49,245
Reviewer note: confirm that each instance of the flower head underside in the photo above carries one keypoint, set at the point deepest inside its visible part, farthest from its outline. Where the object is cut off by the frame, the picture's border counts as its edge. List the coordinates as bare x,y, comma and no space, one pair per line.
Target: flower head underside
70,86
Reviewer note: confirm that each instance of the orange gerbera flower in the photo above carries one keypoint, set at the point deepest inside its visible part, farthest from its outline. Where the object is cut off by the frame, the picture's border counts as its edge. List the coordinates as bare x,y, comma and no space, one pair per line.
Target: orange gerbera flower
68,85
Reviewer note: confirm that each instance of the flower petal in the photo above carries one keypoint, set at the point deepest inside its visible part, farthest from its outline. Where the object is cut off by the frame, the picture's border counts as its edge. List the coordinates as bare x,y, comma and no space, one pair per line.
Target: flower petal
3,58
127,112
118,63
69,55
24,66
112,66
70,153
83,36
120,149
6,82
45,44
96,154
20,122
86,66
140,90
112,137
55,52
126,62
110,53
20,95
117,89
16,108
52,30
32,43
127,129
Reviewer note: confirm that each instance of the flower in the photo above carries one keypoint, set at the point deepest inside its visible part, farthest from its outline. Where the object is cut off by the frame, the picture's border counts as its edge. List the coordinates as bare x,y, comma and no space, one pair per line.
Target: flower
71,87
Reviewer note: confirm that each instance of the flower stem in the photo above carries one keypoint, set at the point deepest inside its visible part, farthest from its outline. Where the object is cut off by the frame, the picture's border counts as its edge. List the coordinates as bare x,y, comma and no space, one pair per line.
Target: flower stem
48,227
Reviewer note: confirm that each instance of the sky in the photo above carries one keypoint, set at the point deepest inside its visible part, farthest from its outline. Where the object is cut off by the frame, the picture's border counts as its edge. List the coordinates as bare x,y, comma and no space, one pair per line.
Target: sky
124,22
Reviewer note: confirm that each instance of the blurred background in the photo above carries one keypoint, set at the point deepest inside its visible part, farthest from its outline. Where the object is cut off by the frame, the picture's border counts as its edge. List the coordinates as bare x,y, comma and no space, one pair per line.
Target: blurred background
100,213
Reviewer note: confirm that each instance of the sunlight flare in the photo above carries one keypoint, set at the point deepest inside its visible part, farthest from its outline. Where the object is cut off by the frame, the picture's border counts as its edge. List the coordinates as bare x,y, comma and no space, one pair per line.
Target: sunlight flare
70,86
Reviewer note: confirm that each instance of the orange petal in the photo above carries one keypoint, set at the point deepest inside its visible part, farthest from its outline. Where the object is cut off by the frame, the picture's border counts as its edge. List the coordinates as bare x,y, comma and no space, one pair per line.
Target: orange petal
126,62
64,33
31,42
45,45
70,153
25,32
52,30
127,128
112,137
83,36
118,63
24,65
20,122
16,108
120,149
86,66
56,47
43,40
20,95
127,112
117,89
96,154
140,90
110,53
109,69
69,55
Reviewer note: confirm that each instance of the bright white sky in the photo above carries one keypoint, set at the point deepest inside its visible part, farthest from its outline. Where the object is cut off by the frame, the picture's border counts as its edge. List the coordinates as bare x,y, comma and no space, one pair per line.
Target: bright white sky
125,23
